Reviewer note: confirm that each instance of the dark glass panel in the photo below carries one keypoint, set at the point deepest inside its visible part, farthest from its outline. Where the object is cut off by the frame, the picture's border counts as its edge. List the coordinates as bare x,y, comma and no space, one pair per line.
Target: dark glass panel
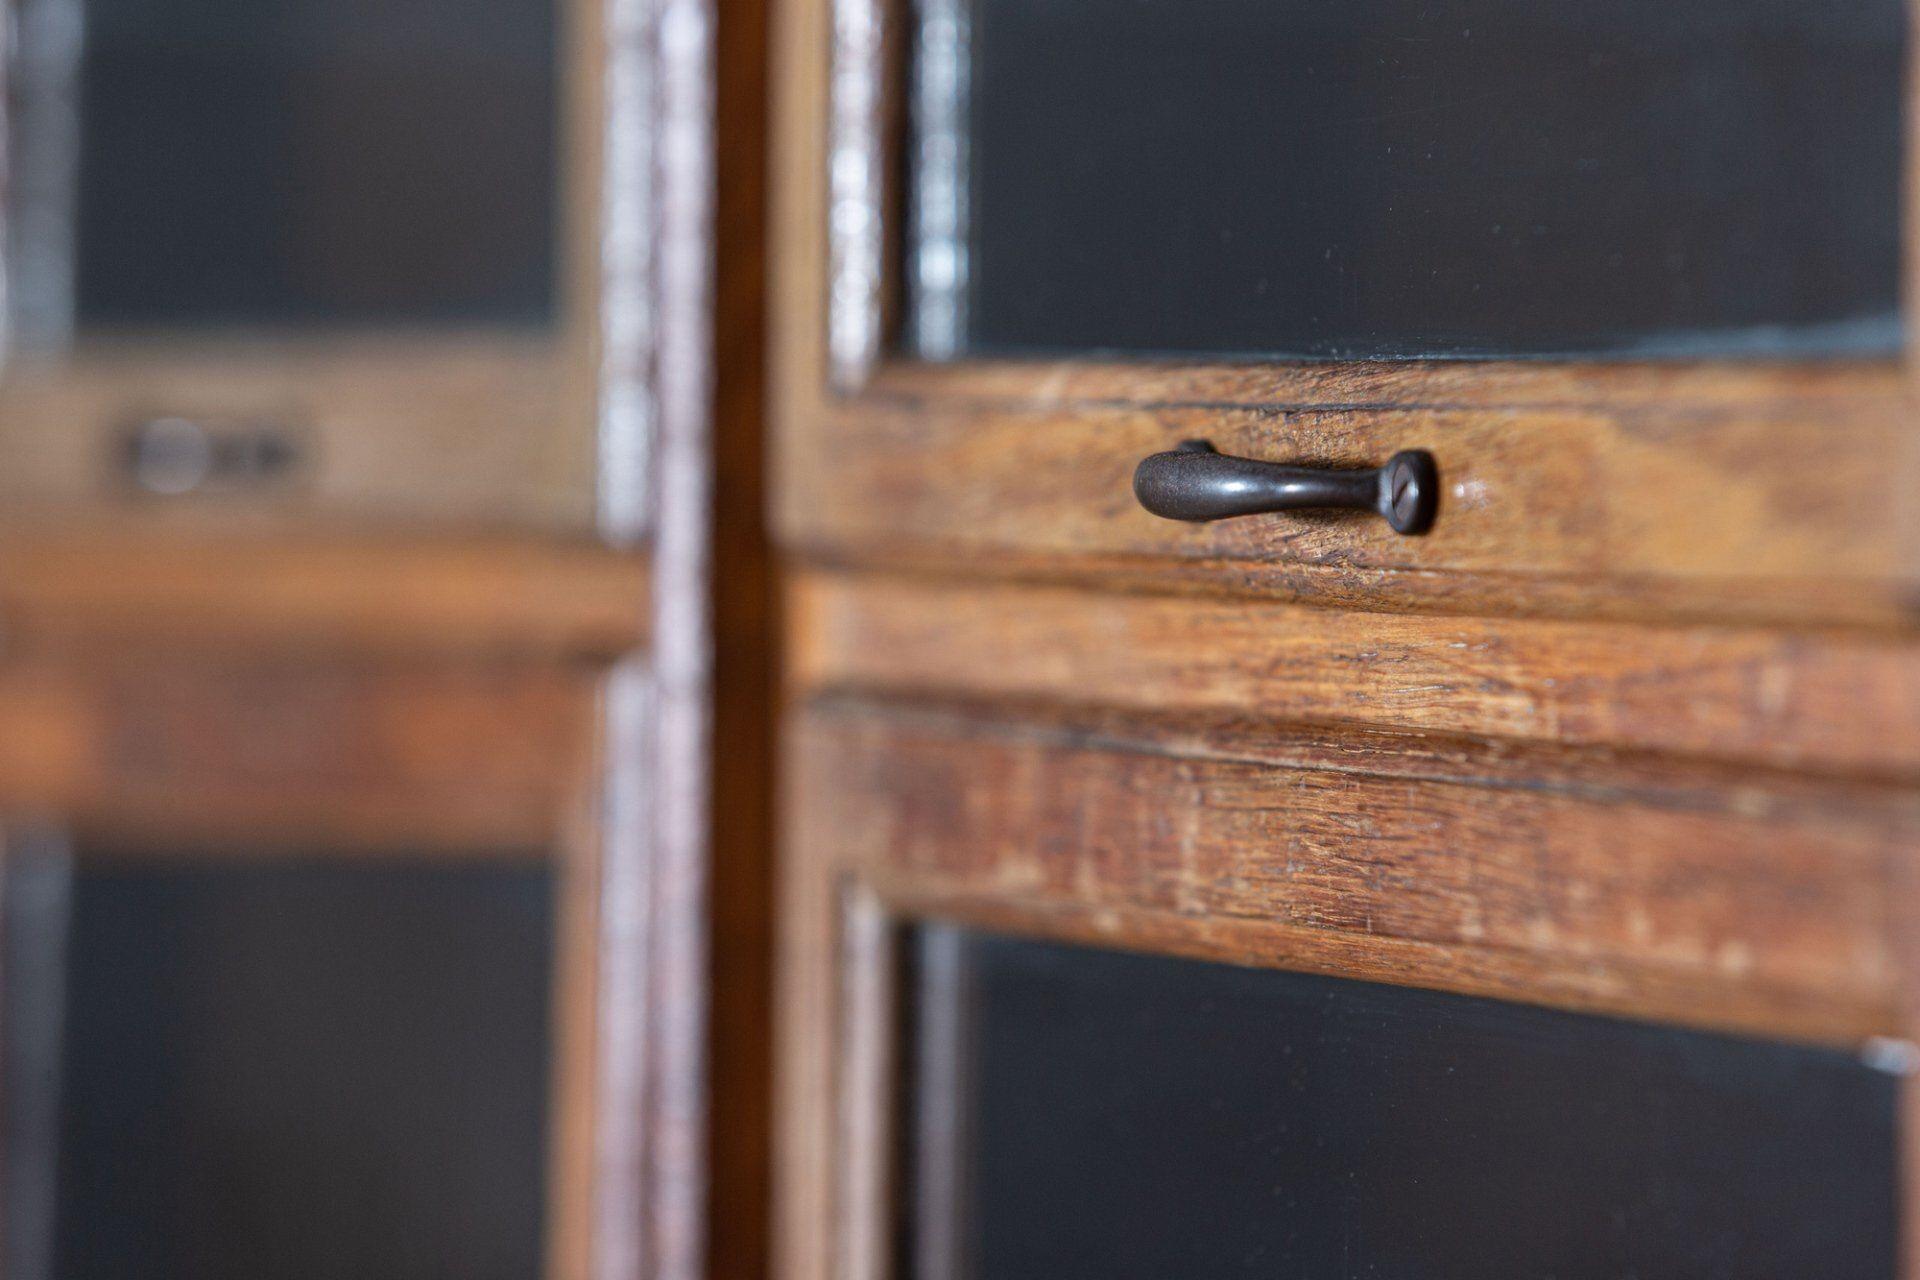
314,1071
1395,178
1090,1113
316,161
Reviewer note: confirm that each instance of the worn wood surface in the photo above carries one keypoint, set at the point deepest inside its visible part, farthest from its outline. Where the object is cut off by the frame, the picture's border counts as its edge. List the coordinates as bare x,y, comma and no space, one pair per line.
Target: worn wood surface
1584,491
1743,900
1635,730
1767,910
1731,490
1833,701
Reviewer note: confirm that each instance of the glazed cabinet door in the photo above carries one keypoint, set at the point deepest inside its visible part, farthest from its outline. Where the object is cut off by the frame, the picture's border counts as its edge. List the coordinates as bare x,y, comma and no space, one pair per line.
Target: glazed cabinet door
1353,686
357,698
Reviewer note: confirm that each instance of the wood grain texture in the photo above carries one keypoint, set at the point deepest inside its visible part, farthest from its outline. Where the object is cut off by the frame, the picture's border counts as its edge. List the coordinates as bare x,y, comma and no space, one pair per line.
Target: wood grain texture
1630,491
1635,730
1765,910
278,583
1754,902
261,752
1839,702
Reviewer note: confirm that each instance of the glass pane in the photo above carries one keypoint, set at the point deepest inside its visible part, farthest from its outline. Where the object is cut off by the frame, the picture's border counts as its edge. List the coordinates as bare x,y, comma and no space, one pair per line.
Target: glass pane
312,162
1091,1113
313,1071
1393,178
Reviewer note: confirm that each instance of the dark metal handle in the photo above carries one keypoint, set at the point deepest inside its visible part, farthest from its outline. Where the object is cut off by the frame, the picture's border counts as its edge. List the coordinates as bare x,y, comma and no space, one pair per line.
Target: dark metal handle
1195,483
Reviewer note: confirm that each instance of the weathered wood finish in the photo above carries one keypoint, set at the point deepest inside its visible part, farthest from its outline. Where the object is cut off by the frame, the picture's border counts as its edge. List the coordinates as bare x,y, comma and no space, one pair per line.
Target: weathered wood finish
1835,701
1737,490
1584,491
1759,902
1768,913
1635,730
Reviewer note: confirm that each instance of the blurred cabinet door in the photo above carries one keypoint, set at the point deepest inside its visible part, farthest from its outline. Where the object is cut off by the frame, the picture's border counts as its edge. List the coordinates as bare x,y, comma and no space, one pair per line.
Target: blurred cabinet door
357,450
1473,834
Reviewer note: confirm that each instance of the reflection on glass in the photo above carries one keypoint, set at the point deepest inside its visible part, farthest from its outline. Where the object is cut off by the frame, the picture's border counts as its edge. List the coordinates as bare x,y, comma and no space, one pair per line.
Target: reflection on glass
1394,178
1080,1112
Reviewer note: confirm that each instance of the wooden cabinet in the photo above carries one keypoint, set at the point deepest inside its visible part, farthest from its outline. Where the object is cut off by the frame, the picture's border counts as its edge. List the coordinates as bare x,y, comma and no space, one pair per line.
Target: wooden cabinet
356,453
1275,894
1631,733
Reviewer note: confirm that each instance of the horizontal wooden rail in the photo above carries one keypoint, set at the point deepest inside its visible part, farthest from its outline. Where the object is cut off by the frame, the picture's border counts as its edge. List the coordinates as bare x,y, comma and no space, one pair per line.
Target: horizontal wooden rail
1834,702
252,583
1778,920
